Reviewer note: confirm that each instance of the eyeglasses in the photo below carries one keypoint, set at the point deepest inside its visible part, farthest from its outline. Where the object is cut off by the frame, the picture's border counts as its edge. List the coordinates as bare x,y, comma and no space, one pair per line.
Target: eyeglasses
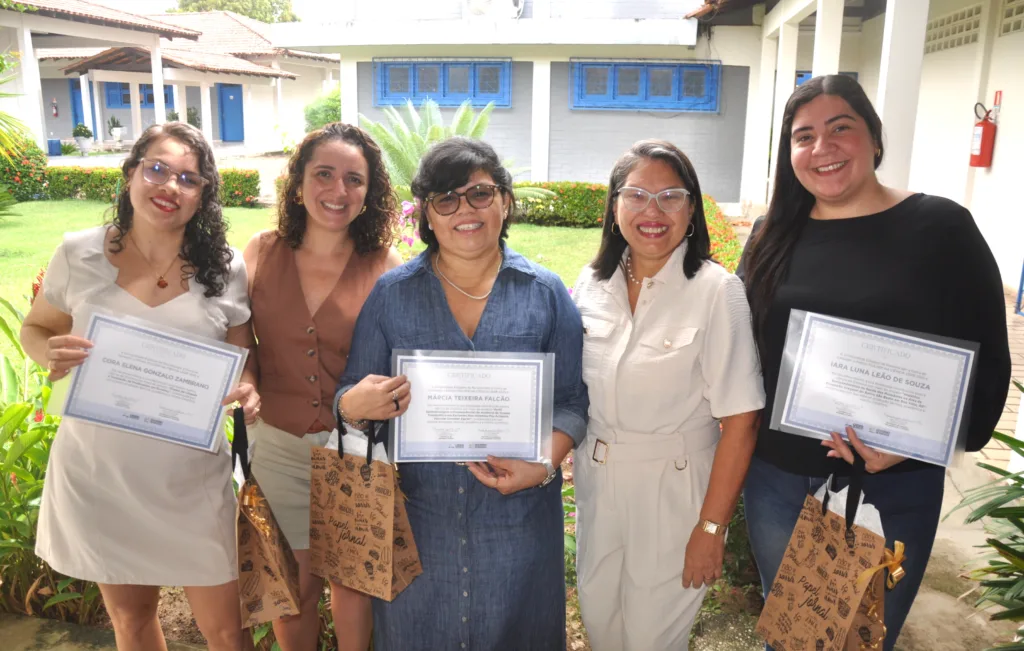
478,196
637,199
158,173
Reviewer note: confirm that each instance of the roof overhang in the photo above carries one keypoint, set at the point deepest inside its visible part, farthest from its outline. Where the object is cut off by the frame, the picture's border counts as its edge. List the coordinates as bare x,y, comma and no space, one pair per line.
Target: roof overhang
91,14
137,59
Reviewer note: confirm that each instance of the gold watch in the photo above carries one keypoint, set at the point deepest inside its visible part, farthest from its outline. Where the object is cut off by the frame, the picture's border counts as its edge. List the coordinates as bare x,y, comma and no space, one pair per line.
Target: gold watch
713,528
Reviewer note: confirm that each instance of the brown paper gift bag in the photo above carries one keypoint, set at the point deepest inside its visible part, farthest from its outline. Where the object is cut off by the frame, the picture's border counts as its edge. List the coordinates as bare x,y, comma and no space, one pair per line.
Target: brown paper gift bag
359,534
829,593
268,575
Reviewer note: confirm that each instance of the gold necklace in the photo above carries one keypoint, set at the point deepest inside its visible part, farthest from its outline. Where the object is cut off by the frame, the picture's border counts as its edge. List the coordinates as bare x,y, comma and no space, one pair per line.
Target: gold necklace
160,282
447,280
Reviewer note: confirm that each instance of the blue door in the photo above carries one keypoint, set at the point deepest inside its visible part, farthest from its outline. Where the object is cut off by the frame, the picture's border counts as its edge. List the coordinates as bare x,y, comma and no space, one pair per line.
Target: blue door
229,109
76,105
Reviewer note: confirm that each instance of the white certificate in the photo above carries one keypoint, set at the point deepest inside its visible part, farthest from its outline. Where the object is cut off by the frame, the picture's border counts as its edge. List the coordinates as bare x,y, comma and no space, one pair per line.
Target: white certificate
146,379
466,405
903,393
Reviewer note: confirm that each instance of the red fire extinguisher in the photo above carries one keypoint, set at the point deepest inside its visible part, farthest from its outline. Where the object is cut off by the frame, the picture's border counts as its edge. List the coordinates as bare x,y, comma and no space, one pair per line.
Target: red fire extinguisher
53,106
984,137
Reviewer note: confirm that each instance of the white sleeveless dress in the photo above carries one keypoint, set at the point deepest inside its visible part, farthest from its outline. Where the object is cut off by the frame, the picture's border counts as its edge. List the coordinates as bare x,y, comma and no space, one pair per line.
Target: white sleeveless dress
119,508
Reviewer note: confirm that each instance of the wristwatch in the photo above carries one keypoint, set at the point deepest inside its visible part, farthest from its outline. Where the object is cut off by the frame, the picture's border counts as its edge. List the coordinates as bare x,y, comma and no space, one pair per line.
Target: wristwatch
712,528
552,471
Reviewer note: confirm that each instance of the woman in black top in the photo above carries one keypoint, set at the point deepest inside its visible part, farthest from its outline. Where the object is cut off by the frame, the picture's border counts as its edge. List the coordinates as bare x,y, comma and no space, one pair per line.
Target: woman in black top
838,242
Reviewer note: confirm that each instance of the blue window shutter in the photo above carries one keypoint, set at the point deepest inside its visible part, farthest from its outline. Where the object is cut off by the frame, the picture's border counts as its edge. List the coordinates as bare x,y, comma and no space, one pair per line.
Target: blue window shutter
638,86
396,82
113,93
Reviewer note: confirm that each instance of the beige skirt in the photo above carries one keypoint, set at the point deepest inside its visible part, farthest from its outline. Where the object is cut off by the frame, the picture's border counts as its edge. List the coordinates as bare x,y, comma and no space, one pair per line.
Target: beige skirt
281,466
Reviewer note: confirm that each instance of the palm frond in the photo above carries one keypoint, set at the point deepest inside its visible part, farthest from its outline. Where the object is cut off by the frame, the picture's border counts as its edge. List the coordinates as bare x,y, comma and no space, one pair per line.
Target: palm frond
414,122
462,121
483,119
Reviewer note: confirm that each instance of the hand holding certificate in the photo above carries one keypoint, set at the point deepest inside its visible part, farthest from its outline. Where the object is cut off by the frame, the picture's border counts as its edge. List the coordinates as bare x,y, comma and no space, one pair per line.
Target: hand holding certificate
904,393
145,379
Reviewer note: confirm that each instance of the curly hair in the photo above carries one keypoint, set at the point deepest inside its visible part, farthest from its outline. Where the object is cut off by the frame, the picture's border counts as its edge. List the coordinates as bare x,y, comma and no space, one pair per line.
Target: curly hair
205,248
372,231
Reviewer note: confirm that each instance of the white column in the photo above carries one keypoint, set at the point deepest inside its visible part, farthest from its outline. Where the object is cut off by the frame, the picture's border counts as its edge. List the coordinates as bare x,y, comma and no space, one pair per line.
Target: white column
156,63
325,80
760,101
349,77
133,88
179,96
206,111
32,88
540,133
541,9
279,103
83,81
785,82
98,100
899,85
828,35
247,107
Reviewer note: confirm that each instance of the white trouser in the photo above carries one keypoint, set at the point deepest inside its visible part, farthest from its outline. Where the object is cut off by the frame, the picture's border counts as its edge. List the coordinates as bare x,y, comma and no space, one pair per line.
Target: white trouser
638,497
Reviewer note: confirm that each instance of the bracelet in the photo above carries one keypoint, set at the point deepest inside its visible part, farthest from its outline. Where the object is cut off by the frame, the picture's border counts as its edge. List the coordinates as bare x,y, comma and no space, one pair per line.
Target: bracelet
360,424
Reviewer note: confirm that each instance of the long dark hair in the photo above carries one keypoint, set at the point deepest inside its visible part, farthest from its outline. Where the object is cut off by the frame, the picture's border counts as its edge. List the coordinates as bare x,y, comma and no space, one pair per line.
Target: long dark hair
449,164
372,231
205,248
613,245
766,260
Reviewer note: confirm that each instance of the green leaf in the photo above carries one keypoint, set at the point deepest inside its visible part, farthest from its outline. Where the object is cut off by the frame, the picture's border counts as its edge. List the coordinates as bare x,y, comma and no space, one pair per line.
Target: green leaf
481,122
22,527
13,310
435,134
12,419
61,598
9,333
260,632
10,384
64,583
1010,441
414,121
22,443
462,121
91,593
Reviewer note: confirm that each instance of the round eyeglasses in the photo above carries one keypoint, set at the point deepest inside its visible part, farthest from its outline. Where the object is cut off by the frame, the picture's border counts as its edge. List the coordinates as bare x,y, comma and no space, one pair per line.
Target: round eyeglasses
158,173
637,199
478,196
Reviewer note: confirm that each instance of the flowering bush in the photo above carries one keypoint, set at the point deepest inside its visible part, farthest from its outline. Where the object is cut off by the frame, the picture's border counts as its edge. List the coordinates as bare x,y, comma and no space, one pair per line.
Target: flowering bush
238,187
25,174
574,204
408,231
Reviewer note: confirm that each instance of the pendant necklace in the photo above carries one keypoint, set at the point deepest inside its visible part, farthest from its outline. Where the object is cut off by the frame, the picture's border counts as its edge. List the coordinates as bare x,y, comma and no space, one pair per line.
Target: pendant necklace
462,291
160,282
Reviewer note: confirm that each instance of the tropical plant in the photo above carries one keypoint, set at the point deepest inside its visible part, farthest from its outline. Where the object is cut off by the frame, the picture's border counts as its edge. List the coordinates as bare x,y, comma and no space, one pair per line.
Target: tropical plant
13,131
81,131
172,116
68,149
406,138
25,174
324,109
192,117
30,586
1000,573
114,123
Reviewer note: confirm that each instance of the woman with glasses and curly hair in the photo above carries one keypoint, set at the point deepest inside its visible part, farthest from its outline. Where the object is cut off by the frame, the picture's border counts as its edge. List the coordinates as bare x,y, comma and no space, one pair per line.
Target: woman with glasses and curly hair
308,280
489,535
126,511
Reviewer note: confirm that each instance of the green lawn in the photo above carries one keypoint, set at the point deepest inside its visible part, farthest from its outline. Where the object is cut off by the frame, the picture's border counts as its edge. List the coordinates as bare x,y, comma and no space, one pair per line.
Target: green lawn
28,238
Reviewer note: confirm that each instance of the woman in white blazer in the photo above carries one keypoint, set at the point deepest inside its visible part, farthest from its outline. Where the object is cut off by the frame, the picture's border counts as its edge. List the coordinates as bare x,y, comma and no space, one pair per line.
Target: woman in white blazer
675,389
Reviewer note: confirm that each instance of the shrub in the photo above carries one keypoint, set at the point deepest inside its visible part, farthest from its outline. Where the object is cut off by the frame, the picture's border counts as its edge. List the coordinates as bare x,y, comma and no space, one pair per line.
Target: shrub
323,110
81,131
192,116
25,174
68,149
239,187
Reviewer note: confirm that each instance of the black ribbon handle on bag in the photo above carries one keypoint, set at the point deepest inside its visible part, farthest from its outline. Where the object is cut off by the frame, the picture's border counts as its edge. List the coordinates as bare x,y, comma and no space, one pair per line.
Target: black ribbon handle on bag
240,442
371,435
856,489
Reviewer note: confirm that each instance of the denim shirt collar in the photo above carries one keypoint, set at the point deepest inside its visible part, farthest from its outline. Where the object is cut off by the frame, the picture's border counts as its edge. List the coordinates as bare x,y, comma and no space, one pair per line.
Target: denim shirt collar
510,260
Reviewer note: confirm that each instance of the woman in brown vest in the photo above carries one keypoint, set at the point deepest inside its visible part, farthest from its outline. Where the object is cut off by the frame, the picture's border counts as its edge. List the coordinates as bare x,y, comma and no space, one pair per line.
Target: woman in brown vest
307,282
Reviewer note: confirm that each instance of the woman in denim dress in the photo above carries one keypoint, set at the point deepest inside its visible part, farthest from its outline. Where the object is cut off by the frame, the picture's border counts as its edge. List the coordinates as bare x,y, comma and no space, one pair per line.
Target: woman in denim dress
490,537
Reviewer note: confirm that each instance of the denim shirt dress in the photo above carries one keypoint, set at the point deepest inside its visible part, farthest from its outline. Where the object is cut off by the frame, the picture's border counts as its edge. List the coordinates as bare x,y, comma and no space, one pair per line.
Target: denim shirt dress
493,565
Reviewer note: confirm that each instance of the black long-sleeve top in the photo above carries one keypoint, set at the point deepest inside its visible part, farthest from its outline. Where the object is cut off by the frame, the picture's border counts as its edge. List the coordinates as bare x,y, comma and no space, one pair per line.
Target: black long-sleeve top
921,265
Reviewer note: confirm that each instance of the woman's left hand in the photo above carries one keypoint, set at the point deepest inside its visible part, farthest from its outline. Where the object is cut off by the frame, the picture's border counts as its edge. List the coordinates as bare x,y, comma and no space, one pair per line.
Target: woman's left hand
246,395
874,461
704,555
508,476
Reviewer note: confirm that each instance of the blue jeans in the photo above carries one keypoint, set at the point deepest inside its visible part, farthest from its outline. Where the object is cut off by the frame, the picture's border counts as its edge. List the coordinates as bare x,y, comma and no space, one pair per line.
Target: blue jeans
909,503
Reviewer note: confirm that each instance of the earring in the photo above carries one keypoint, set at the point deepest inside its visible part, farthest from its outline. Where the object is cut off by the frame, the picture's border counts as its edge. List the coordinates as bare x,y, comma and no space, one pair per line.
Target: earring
691,230
430,226
363,210
878,152
615,228
298,198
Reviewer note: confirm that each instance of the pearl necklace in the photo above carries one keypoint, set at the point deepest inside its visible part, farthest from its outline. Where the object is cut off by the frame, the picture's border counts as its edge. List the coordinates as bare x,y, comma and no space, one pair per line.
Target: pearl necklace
462,291
629,271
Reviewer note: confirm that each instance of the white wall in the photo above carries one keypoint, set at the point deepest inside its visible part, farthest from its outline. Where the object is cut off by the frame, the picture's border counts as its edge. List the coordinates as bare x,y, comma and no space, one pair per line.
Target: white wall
996,202
871,55
291,124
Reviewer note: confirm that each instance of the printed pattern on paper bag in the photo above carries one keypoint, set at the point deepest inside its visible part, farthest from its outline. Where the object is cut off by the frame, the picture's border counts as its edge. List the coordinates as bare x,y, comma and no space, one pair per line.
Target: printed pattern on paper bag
359,528
268,575
814,602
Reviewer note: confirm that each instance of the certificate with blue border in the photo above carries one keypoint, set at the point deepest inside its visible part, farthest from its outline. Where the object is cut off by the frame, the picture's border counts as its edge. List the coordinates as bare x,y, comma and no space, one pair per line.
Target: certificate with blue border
149,380
902,392
466,405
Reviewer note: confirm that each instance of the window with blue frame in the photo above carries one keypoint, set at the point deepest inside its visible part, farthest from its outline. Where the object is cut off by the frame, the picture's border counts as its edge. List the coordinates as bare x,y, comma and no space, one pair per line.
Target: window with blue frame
119,95
634,85
804,75
449,83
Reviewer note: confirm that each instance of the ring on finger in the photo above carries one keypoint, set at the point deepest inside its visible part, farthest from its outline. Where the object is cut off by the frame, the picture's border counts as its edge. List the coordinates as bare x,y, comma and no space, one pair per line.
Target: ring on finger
51,366
395,400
